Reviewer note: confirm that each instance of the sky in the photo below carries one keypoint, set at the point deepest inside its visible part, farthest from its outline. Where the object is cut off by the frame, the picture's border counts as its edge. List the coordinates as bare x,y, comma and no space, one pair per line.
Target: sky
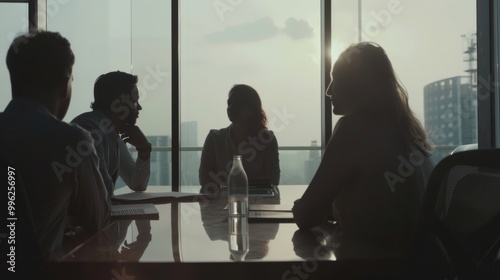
273,46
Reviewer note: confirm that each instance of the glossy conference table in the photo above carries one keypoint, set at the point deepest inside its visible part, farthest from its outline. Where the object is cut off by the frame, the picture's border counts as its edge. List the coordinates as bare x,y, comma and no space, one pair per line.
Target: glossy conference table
190,241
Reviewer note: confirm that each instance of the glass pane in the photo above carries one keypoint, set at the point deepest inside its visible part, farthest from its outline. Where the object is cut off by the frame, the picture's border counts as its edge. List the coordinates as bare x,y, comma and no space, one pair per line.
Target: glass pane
299,167
272,46
150,53
13,21
435,59
129,36
151,61
101,45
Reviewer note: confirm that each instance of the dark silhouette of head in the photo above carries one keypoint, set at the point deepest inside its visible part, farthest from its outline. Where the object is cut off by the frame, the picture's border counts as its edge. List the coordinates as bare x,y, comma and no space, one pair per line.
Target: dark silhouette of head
245,107
363,80
40,64
116,93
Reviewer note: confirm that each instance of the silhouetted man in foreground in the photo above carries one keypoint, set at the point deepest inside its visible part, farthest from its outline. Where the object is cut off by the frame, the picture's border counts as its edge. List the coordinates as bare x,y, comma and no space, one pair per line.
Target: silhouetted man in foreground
55,161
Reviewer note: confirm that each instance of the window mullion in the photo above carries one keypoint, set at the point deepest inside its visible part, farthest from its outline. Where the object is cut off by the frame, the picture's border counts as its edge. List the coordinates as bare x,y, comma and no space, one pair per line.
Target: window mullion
175,98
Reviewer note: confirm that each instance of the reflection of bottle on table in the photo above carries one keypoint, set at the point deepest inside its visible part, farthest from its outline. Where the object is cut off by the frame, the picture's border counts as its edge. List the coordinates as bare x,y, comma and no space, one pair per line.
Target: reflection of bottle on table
238,237
216,224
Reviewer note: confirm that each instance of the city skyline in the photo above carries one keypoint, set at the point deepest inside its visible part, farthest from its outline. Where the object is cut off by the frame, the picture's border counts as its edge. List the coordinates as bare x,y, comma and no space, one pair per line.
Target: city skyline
297,167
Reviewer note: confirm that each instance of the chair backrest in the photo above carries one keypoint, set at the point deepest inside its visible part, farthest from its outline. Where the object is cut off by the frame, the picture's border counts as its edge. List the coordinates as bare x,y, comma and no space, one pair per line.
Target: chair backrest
461,213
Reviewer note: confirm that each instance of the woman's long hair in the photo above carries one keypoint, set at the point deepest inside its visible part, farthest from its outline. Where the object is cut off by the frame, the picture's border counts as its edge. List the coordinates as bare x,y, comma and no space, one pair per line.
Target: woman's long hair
379,78
246,96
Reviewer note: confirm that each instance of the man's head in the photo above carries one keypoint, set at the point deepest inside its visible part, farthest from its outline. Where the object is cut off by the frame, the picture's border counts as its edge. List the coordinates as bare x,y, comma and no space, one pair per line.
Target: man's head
40,65
116,93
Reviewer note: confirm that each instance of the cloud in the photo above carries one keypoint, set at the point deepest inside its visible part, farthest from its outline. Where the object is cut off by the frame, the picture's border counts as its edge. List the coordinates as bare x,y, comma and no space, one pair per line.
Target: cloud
298,29
260,29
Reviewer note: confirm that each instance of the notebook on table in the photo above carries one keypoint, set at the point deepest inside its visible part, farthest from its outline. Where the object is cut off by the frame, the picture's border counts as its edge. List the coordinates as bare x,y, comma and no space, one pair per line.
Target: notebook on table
270,213
270,217
257,188
271,207
146,211
156,197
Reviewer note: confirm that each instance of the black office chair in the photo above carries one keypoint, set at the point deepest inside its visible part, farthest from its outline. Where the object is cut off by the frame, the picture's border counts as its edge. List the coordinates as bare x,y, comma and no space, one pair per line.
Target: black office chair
459,230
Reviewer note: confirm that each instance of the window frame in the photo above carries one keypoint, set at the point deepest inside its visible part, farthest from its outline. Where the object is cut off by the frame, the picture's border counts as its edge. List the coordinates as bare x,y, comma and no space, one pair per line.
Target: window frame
487,109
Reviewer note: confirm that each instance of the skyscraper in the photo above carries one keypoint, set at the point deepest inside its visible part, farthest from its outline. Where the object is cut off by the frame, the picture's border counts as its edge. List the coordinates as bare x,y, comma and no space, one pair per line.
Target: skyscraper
451,106
311,164
160,172
450,113
160,161
190,159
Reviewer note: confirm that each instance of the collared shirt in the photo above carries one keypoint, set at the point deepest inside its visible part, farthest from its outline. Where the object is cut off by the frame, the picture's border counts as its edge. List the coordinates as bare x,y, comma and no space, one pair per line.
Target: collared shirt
114,158
59,169
260,157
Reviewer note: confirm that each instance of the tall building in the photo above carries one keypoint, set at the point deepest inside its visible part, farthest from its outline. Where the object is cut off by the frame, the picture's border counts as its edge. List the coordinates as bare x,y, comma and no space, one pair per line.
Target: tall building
160,171
451,106
450,113
160,161
292,166
190,159
311,164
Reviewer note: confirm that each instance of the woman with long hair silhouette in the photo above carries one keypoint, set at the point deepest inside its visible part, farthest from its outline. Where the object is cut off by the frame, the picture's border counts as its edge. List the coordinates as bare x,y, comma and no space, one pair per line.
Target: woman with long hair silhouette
372,175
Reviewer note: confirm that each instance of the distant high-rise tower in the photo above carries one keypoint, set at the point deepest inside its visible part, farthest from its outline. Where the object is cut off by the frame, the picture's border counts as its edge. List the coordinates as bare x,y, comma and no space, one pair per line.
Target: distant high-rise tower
160,161
160,171
451,112
450,107
190,160
311,164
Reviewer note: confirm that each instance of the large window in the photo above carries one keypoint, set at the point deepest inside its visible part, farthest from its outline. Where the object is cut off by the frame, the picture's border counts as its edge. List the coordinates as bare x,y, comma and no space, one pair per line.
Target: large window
432,46
273,46
14,21
129,36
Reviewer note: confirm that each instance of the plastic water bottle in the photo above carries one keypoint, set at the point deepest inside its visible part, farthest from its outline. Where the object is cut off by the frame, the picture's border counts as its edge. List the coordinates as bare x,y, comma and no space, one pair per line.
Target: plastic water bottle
238,237
237,189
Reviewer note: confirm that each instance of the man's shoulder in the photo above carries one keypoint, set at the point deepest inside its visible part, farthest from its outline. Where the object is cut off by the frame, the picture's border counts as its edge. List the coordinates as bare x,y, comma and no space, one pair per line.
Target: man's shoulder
49,137
94,120
87,117
71,133
44,124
